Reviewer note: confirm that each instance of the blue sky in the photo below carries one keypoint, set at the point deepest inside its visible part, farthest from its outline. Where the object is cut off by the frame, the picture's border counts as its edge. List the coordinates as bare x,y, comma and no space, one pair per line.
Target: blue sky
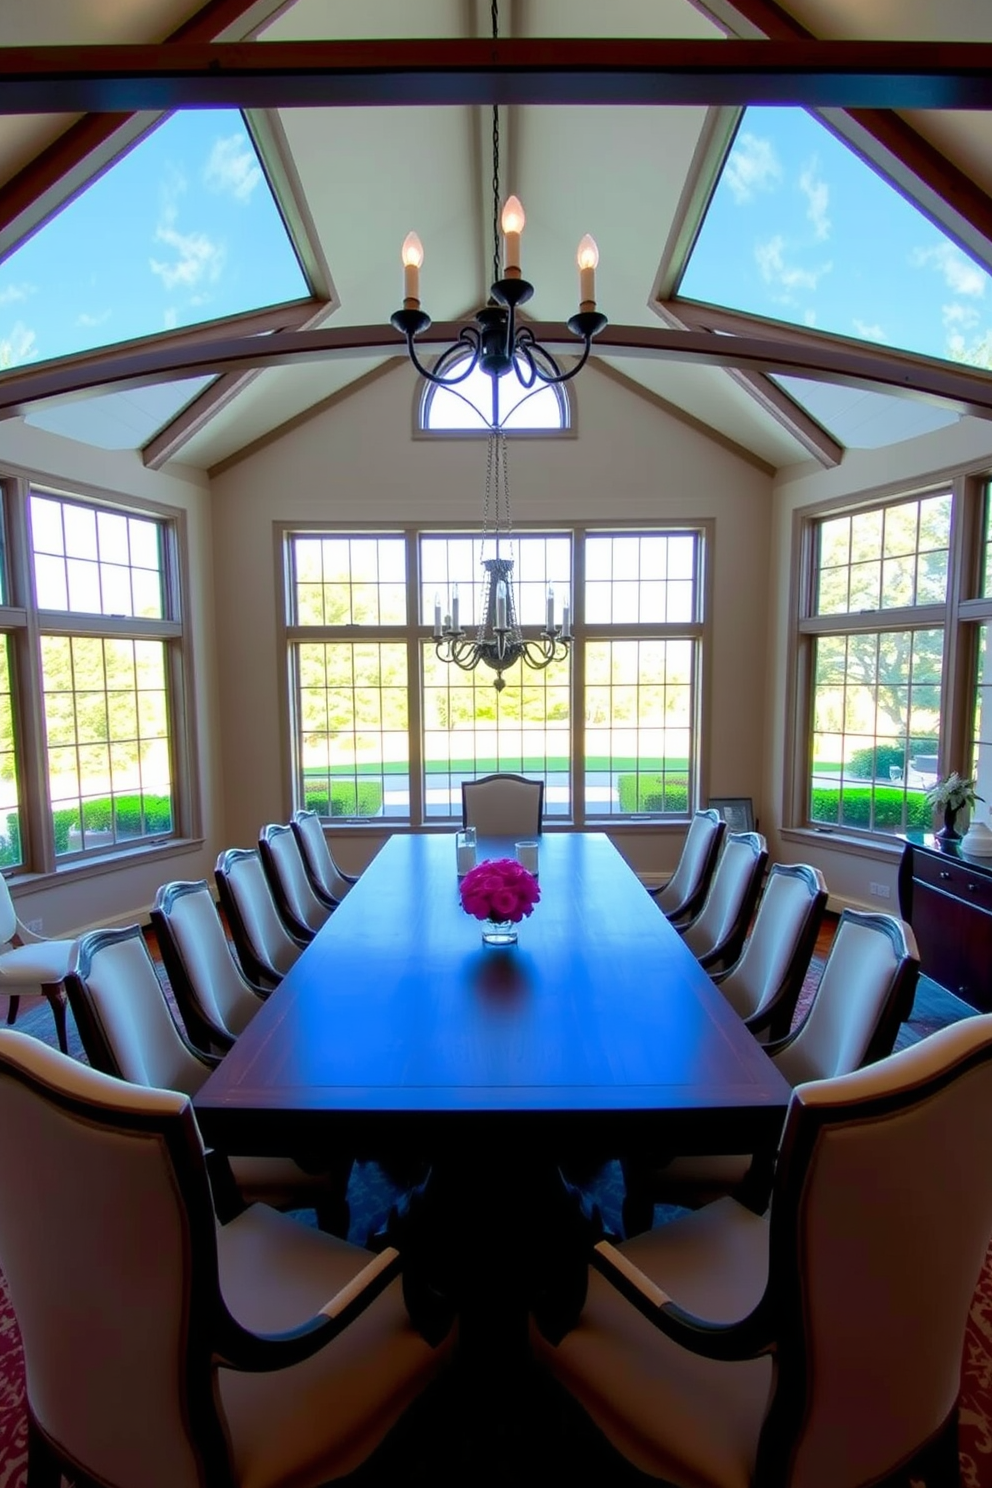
800,229
183,229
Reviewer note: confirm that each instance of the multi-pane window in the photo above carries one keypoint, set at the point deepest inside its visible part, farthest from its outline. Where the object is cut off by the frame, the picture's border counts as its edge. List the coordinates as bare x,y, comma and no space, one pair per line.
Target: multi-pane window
469,407
92,680
99,579
385,727
642,603
875,636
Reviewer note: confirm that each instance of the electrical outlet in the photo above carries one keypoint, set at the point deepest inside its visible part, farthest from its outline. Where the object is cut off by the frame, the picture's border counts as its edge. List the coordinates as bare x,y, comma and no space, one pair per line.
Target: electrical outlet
880,891
36,926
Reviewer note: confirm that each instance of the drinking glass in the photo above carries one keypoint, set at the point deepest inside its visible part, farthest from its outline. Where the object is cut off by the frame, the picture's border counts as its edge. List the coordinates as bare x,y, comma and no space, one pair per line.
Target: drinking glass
527,856
464,850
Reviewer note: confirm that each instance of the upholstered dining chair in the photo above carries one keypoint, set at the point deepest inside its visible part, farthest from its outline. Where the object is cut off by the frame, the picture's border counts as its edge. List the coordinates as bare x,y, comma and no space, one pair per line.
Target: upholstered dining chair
764,983
819,1344
30,964
128,1031
327,879
865,992
717,933
214,997
266,949
303,912
503,805
161,1348
682,896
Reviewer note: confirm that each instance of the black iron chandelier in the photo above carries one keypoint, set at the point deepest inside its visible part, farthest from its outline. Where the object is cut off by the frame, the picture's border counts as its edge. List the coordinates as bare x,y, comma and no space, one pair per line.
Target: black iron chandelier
497,346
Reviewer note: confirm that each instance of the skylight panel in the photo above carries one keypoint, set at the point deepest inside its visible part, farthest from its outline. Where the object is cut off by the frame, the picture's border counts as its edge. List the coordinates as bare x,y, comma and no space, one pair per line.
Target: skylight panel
801,229
863,419
183,229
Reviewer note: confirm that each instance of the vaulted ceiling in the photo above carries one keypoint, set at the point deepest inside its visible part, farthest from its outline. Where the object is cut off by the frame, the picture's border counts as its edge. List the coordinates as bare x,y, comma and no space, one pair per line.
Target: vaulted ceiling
351,182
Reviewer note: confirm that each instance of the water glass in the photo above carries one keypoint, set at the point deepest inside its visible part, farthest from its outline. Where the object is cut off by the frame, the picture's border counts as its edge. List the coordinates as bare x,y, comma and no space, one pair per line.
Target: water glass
527,856
465,851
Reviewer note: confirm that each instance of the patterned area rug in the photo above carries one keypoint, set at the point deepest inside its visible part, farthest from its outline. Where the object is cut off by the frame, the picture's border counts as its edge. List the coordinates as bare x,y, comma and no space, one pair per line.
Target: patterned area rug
370,1195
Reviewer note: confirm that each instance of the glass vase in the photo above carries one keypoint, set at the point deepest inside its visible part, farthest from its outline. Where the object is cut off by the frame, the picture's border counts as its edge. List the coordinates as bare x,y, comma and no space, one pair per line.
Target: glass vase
499,933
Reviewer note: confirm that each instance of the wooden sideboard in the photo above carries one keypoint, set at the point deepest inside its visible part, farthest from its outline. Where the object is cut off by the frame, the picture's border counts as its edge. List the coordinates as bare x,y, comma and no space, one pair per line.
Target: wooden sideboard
947,898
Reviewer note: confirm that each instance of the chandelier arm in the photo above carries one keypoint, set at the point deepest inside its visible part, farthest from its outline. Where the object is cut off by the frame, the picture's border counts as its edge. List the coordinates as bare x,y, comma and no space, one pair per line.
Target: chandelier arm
469,337
558,377
522,351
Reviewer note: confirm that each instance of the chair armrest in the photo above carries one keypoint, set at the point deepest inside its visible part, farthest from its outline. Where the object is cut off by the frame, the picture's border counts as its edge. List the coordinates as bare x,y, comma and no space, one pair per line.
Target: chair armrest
242,1349
747,1338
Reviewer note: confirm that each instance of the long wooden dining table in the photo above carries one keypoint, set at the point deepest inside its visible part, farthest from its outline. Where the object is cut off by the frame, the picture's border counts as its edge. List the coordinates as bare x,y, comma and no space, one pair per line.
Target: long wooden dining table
397,1032
598,1030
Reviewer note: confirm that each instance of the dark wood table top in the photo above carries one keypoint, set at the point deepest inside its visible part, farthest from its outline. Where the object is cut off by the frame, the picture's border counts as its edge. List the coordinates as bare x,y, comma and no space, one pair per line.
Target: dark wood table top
599,1026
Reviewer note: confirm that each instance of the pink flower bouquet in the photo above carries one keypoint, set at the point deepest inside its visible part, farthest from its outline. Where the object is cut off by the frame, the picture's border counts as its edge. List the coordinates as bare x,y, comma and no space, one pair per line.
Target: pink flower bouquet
498,890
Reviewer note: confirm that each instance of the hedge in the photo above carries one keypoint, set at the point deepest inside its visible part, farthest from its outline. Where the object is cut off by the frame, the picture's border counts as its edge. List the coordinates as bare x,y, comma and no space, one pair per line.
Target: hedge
348,798
875,762
827,805
660,793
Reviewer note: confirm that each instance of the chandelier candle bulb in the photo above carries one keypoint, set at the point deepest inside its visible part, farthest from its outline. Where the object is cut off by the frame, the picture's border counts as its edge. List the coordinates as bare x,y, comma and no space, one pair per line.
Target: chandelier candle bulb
501,605
454,608
566,623
437,617
587,258
512,223
551,611
413,257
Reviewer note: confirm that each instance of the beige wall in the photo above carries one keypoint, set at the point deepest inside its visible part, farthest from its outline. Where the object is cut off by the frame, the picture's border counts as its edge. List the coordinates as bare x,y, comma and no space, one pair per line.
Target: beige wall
124,893
358,462
849,868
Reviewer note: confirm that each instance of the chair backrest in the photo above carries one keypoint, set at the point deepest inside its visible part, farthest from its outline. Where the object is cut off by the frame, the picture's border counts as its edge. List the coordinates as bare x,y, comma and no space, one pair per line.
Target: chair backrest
215,999
324,874
767,977
717,933
503,805
8,914
686,889
108,1247
880,1223
122,1015
265,947
865,992
292,890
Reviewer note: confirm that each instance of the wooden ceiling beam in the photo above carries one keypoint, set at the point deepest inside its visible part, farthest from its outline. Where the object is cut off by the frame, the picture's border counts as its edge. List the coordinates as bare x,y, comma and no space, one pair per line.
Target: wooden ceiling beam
70,162
965,390
816,74
774,400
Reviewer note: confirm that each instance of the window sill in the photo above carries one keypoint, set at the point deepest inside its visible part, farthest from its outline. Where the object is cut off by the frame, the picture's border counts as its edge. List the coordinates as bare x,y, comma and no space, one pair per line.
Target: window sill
880,849
103,863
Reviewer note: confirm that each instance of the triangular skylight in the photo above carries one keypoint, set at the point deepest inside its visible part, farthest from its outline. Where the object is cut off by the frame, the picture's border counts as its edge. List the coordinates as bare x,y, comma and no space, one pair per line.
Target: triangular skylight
800,229
182,229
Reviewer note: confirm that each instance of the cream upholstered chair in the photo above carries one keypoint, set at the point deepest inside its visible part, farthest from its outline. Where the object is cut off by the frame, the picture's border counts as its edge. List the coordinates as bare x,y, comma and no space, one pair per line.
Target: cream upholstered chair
266,949
819,1345
717,933
682,896
161,1348
215,998
302,911
865,992
503,805
329,882
30,964
764,983
128,1032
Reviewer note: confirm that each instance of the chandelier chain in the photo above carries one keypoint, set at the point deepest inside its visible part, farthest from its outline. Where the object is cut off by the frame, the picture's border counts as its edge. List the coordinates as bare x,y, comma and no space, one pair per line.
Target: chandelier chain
495,23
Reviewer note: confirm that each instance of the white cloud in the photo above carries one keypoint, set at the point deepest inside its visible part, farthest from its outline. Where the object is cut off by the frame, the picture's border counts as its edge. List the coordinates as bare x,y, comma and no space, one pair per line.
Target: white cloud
20,346
13,292
197,257
170,319
869,332
960,274
958,316
753,166
770,258
90,321
817,194
233,168
809,318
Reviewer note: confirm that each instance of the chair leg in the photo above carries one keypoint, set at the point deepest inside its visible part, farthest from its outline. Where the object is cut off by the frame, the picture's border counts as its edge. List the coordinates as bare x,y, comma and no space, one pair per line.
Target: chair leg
55,993
15,1003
